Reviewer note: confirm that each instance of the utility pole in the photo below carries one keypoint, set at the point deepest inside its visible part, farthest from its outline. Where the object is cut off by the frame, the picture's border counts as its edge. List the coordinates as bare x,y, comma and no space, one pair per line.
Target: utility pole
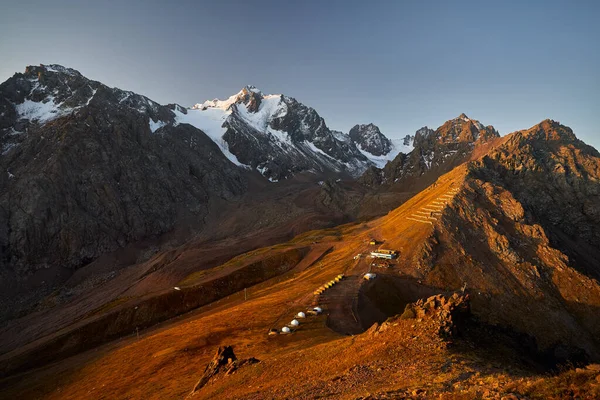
137,332
245,295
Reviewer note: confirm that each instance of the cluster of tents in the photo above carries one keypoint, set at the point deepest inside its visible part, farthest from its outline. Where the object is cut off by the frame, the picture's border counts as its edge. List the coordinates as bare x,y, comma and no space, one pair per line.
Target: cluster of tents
294,324
328,284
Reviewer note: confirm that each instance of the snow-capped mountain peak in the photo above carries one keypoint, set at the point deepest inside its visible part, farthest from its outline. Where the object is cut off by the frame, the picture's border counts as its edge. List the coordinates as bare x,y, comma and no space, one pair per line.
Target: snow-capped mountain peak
273,134
252,88
463,118
56,68
248,95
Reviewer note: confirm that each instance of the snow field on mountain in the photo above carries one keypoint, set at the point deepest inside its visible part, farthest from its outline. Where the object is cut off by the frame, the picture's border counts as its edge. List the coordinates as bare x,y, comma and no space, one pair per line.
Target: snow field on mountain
40,111
380,161
209,121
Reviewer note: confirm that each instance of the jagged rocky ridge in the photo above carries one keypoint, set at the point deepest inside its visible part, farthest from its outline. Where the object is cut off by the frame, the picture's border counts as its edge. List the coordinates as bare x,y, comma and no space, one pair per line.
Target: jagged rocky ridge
369,138
434,150
523,236
279,136
273,134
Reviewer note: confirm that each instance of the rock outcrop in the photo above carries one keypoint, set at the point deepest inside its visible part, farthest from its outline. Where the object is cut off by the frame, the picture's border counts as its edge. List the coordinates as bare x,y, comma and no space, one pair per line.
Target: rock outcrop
370,139
449,312
225,363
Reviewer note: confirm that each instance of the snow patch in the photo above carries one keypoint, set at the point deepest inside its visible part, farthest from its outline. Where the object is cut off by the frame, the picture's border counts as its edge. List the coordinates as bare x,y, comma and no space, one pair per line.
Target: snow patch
210,121
450,153
271,107
91,97
155,125
43,111
340,136
427,159
398,147
317,150
283,138
262,171
60,69
7,147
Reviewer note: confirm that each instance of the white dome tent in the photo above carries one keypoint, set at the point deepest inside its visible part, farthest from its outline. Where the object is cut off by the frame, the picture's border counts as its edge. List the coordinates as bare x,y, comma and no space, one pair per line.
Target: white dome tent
301,315
294,322
285,329
370,276
318,310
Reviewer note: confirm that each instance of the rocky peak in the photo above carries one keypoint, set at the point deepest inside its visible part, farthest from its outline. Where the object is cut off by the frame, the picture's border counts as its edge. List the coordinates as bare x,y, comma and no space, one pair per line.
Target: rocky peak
275,135
46,92
370,139
408,141
546,149
252,88
41,94
42,69
250,96
550,131
439,150
422,135
464,129
43,81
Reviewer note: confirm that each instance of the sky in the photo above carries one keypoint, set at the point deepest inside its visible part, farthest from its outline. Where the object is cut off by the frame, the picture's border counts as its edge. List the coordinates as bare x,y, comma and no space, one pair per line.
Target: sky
399,64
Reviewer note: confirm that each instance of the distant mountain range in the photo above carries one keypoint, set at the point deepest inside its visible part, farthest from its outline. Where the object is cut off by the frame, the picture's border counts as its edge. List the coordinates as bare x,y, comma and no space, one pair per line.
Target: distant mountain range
273,134
90,169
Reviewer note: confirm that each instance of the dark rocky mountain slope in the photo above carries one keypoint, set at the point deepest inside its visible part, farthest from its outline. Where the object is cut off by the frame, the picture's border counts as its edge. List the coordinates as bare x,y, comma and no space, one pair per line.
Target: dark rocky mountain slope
83,175
523,234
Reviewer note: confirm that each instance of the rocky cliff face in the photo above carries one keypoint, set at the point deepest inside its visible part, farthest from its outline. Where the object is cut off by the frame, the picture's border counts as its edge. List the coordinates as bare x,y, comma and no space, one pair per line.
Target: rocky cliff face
285,137
87,169
370,139
436,151
555,177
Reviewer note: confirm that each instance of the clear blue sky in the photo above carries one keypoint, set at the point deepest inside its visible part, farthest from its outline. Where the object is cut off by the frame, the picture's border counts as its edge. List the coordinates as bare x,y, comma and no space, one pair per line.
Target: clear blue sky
398,64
